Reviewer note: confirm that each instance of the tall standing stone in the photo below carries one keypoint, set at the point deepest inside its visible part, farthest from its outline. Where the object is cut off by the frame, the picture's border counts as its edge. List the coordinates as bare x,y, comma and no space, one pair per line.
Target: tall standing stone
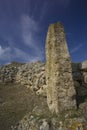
60,85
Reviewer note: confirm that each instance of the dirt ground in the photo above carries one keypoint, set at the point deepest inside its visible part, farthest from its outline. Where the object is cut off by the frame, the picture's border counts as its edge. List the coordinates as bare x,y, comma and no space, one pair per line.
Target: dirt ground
15,102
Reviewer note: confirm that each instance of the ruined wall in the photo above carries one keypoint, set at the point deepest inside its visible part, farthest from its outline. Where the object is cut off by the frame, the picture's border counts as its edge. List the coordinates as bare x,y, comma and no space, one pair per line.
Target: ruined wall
30,75
60,86
80,81
33,76
8,72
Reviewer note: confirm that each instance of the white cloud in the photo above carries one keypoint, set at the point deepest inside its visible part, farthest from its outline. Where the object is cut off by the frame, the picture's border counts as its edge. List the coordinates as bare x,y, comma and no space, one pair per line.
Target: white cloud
5,53
4,50
30,30
76,48
9,54
25,56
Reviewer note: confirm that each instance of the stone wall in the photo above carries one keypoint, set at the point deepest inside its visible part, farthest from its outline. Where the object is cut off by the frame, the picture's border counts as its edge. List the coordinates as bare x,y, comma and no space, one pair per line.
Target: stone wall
8,72
32,76
80,81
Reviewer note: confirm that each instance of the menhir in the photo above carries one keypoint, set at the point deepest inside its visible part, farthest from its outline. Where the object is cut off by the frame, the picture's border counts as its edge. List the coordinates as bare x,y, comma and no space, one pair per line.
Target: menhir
60,85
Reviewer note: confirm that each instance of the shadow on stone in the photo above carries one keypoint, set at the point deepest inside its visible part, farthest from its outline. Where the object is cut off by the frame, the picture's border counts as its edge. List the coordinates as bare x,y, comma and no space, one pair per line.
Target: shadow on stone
79,72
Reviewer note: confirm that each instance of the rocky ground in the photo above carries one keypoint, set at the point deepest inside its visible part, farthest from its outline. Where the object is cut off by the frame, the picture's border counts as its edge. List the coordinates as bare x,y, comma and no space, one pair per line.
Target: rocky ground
17,101
21,106
23,100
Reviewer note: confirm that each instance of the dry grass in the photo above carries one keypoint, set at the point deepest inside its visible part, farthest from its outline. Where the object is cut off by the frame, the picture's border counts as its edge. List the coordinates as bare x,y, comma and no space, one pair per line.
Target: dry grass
15,102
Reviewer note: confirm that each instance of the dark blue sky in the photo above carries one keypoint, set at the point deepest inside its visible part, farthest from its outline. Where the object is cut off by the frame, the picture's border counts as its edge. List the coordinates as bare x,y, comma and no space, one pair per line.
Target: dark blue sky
24,24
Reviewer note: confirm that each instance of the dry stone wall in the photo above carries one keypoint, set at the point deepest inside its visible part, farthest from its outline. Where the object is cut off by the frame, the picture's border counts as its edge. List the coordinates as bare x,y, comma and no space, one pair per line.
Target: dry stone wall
32,76
8,72
80,81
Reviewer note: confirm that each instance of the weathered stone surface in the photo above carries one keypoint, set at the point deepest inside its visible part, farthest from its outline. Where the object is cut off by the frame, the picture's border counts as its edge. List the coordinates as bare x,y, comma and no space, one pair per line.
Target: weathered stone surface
8,72
60,86
84,65
42,91
80,81
45,125
32,75
37,123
